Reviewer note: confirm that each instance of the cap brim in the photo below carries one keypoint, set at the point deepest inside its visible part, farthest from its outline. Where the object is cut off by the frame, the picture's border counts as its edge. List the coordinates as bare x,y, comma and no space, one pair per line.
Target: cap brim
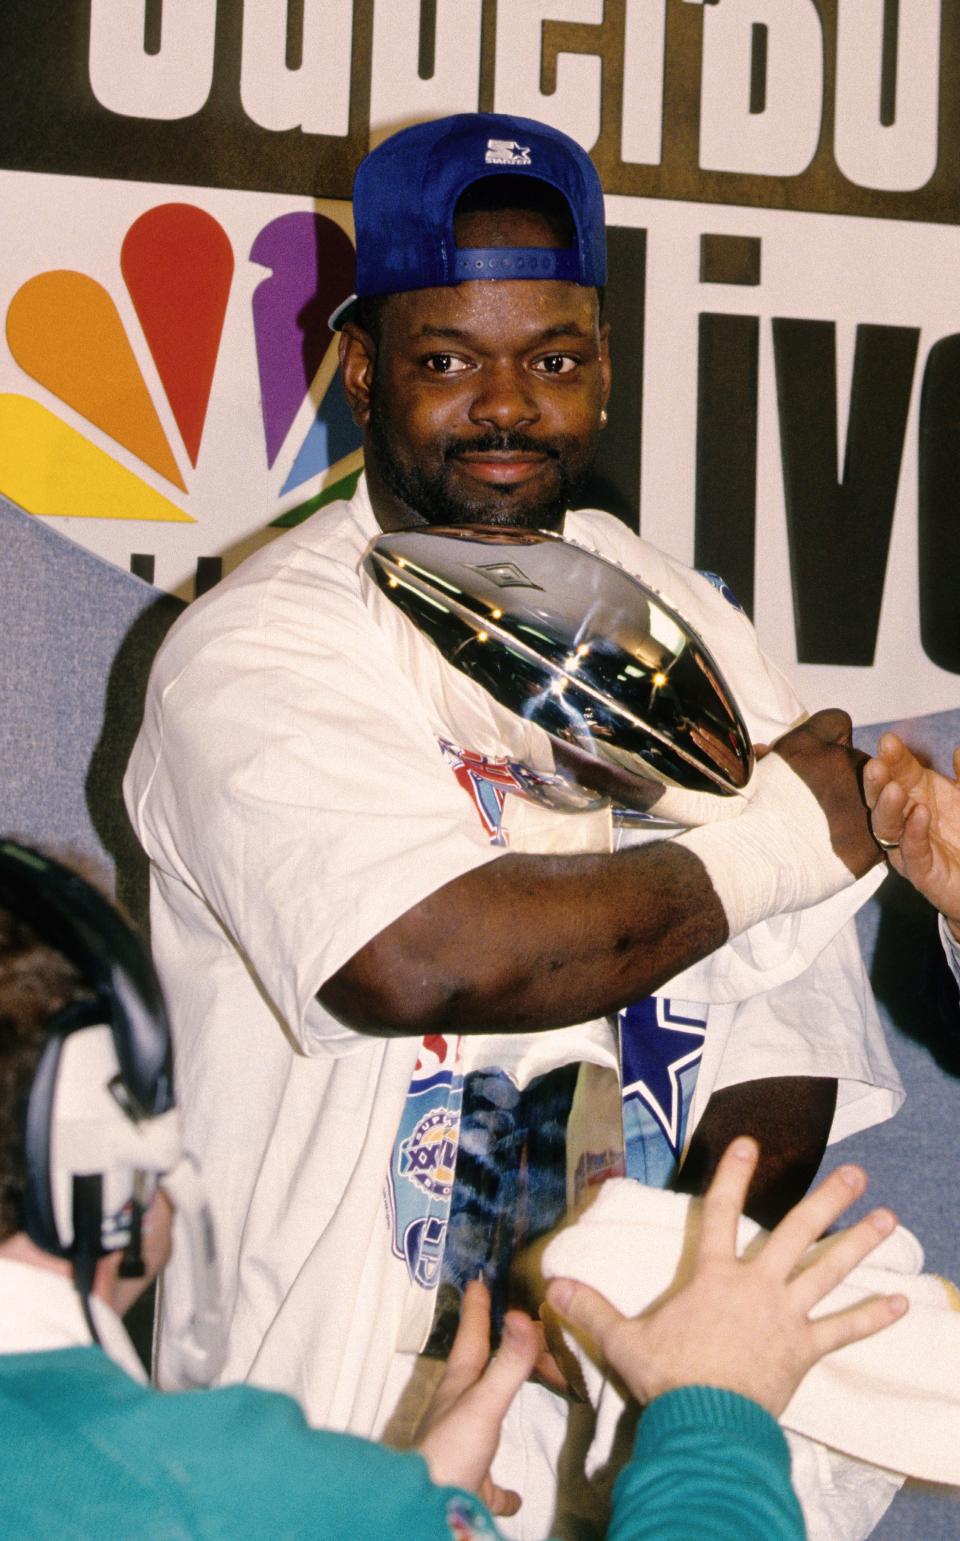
344,312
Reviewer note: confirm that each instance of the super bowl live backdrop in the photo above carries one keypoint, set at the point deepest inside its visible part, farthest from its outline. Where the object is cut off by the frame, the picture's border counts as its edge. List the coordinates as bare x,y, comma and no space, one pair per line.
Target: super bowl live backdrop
782,181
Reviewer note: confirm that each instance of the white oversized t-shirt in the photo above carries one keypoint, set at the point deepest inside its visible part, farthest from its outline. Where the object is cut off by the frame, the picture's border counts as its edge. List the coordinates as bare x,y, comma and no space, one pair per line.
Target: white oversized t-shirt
292,793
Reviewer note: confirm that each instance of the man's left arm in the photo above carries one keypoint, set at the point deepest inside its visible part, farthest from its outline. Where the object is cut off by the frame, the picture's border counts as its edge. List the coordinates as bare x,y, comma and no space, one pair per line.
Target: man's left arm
790,1117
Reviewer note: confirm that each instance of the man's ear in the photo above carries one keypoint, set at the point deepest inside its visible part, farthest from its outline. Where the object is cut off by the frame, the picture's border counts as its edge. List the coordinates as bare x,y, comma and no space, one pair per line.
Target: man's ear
358,352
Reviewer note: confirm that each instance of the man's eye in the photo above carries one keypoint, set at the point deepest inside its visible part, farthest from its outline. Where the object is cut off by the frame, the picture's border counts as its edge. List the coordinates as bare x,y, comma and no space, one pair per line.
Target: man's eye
445,364
556,364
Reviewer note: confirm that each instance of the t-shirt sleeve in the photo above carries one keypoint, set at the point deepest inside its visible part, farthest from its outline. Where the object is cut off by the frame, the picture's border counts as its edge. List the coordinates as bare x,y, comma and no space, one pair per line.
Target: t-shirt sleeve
299,791
707,1463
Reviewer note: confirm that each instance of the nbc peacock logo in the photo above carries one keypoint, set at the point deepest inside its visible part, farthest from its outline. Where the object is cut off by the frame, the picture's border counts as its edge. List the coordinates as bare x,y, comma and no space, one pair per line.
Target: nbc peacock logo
141,390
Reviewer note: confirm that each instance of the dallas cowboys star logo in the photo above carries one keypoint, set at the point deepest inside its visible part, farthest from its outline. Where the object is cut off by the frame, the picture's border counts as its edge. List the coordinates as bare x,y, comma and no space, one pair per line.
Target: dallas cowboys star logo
659,1039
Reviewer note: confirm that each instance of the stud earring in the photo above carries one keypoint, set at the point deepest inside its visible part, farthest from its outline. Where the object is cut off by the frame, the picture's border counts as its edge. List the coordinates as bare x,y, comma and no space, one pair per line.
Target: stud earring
603,417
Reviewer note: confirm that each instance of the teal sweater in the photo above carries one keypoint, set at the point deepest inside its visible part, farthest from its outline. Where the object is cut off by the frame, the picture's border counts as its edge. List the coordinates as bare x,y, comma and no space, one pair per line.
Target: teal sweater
86,1452
707,1466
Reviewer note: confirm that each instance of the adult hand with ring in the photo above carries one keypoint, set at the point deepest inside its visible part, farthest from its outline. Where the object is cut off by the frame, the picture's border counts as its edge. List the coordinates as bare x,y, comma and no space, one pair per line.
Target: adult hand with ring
915,817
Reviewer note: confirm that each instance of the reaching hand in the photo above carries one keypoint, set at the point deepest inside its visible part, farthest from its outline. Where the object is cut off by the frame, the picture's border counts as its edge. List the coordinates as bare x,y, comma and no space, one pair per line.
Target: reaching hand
821,753
471,1401
743,1325
918,811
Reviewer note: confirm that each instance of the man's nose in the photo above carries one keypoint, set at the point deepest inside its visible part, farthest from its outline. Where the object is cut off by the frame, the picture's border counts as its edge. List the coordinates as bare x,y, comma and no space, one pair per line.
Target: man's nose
504,398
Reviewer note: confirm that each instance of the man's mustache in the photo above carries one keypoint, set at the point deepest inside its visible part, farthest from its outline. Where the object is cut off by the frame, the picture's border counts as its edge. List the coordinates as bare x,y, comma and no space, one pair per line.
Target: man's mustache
500,444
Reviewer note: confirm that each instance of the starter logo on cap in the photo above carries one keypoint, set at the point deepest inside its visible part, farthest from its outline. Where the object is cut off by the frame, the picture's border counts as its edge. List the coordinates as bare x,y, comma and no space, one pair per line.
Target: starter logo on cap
506,152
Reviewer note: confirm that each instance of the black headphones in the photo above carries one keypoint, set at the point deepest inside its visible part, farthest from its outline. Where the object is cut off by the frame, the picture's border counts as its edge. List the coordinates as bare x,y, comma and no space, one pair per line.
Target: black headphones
124,997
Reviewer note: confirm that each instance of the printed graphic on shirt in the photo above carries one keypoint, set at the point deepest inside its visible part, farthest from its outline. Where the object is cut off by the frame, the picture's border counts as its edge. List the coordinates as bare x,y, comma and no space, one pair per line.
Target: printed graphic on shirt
466,1521
661,1046
511,1188
595,1167
424,1160
429,1157
487,780
722,587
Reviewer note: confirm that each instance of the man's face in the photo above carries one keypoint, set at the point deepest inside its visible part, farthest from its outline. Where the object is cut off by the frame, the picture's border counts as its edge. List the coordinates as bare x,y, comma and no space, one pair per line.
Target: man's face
481,403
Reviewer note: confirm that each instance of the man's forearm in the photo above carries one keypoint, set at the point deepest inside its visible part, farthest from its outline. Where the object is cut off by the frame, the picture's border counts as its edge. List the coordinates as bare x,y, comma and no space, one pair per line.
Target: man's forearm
790,1117
531,942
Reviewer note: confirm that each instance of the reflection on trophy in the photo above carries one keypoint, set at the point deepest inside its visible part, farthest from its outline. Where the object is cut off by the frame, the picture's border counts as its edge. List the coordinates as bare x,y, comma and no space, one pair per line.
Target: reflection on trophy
632,701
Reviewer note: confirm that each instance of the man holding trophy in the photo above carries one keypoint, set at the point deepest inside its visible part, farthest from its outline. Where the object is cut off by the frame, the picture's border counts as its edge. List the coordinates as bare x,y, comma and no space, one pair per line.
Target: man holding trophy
469,884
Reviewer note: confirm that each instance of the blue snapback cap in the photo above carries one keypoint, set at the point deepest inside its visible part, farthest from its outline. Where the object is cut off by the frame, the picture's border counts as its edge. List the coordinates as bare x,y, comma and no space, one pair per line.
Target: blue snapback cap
405,192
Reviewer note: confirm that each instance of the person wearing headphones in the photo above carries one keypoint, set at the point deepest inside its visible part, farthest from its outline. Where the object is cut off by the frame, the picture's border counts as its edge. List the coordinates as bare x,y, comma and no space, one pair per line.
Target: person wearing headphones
91,1170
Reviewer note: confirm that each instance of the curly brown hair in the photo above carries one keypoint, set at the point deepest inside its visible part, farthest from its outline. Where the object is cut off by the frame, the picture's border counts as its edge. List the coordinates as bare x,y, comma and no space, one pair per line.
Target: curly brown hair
36,981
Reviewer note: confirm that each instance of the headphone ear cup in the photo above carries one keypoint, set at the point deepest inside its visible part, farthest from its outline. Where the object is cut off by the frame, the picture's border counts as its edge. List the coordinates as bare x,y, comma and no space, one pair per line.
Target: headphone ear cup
39,1210
93,1160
